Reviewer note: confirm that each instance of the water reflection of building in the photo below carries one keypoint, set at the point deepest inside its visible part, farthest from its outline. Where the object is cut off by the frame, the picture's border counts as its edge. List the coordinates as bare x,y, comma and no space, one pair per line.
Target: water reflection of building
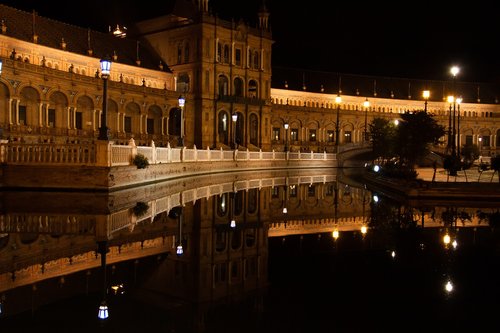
51,243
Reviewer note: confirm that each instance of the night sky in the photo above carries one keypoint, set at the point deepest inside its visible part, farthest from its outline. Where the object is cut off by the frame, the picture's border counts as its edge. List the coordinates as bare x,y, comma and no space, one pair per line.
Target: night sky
410,40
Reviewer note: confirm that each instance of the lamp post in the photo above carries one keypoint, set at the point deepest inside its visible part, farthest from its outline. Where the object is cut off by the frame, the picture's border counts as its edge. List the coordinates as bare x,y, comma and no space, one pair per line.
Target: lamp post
366,105
450,100
102,249
459,101
338,100
454,72
182,102
426,94
286,135
105,71
234,117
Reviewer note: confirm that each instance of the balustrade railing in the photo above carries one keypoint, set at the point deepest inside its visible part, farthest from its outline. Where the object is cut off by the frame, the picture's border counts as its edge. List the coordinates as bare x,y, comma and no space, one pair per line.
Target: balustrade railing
108,154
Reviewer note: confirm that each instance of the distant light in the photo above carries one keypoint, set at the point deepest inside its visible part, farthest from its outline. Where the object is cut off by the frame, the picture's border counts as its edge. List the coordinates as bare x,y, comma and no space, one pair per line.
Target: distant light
286,126
396,122
366,103
121,33
376,168
450,99
446,239
364,230
449,286
233,224
103,312
459,100
454,244
234,117
375,198
335,234
338,99
393,254
285,210
454,70
426,94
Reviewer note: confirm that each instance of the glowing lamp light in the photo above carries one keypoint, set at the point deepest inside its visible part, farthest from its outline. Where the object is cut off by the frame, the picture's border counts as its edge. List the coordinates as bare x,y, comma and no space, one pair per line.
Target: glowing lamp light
233,224
285,210
454,244
105,67
375,198
364,230
182,101
286,126
234,116
393,254
448,286
376,168
335,234
103,312
180,250
446,239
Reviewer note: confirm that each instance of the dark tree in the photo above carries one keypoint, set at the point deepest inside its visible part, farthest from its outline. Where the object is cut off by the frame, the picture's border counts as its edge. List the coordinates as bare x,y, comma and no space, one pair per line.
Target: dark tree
415,134
383,135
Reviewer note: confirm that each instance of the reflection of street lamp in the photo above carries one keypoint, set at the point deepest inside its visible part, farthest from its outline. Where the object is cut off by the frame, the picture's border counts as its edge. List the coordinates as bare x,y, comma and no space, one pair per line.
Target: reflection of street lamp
234,117
366,105
232,224
102,249
285,197
286,136
426,94
105,71
182,102
338,100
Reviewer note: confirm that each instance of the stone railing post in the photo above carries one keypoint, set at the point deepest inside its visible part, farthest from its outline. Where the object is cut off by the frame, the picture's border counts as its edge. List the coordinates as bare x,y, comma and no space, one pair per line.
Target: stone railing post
169,153
235,156
153,153
103,153
3,150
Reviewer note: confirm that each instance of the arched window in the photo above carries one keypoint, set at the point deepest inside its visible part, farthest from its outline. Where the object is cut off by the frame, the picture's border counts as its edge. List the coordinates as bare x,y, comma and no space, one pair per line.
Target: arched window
238,87
223,125
223,85
179,54
226,54
183,83
186,52
174,122
219,51
252,89
222,201
254,129
256,60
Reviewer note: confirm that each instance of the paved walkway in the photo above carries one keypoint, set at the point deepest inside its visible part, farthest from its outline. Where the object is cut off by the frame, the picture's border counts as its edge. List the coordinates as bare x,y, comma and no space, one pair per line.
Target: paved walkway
472,175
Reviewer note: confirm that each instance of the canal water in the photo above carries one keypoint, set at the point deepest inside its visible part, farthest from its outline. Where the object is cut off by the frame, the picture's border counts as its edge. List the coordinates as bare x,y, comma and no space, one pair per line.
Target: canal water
277,252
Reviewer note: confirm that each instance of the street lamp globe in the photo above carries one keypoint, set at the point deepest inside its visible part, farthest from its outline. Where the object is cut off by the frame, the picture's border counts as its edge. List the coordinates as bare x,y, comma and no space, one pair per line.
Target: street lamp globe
182,101
105,67
454,70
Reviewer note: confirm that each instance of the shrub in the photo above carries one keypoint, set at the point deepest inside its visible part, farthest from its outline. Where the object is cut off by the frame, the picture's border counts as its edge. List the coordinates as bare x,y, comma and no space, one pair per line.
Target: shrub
140,208
140,161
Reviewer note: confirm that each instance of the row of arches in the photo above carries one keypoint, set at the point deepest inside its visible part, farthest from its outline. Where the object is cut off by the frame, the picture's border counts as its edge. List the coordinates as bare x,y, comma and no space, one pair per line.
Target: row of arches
56,111
238,87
